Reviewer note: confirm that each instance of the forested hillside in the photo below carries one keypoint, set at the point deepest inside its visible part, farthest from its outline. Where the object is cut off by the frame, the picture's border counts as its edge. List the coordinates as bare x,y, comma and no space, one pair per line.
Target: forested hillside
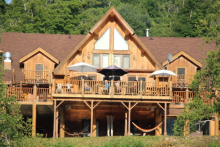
164,18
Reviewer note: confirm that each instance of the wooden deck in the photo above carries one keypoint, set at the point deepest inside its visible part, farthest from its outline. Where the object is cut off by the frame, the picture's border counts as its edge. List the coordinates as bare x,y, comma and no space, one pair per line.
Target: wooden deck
111,89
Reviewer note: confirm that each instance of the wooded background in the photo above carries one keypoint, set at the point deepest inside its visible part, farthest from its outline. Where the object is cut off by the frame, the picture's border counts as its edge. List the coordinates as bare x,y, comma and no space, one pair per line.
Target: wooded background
164,18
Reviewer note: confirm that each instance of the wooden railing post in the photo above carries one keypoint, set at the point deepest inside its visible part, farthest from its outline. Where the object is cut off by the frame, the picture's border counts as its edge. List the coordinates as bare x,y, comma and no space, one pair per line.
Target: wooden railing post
141,86
112,88
83,87
187,96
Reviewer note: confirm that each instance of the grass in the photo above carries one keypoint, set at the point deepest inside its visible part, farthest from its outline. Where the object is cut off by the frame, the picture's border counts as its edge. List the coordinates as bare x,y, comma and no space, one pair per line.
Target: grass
123,141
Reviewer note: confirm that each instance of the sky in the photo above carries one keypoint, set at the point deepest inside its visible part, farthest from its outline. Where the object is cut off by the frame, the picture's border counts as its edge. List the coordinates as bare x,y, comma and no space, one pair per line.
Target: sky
8,1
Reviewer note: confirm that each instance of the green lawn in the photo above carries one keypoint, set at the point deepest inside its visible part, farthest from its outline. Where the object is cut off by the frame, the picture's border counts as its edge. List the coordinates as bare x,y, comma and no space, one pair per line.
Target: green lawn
124,141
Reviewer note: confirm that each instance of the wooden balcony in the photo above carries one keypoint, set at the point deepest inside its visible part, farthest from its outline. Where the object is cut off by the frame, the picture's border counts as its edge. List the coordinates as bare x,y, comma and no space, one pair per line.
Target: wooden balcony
37,77
180,98
182,81
26,95
111,89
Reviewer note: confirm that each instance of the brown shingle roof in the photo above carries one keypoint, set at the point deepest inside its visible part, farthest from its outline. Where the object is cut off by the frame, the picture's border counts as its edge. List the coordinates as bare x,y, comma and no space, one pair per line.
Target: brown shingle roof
59,46
161,46
20,44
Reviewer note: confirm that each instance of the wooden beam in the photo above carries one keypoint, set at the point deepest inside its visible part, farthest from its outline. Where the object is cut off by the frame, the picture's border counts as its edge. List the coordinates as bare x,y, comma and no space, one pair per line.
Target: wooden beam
182,53
94,129
87,105
96,104
57,118
112,14
34,111
134,105
91,126
127,32
124,105
129,118
54,120
126,124
161,106
62,122
112,100
158,120
216,124
39,49
165,119
60,103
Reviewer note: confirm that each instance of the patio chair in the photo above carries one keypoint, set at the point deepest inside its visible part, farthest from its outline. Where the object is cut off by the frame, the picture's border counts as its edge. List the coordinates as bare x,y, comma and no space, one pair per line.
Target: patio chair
59,88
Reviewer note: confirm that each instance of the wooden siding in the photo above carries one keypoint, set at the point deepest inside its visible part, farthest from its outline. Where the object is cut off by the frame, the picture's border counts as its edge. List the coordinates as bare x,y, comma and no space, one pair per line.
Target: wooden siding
78,112
141,61
39,58
182,62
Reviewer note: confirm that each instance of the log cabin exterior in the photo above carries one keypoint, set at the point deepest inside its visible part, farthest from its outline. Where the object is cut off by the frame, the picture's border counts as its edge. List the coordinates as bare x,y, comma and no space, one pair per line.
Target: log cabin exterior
39,78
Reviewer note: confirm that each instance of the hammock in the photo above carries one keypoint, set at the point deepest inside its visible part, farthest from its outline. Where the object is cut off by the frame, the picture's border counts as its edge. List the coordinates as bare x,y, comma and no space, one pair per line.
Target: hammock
146,130
74,134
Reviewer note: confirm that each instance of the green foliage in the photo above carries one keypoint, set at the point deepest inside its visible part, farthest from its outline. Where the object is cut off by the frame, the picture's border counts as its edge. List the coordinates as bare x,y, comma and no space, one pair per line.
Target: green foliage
123,141
164,18
12,124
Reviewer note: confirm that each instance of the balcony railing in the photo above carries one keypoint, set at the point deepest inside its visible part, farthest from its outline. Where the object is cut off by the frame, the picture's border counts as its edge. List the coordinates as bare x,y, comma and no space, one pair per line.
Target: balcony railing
182,81
111,88
26,94
39,77
184,97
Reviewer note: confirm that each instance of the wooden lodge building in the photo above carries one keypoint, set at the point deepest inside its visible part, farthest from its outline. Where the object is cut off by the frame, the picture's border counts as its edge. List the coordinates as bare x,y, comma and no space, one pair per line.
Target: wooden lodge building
58,101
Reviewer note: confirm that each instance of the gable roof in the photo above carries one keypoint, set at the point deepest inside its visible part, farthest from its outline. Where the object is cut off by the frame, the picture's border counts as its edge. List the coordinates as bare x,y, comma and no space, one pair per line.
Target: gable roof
182,53
162,46
39,49
21,44
110,13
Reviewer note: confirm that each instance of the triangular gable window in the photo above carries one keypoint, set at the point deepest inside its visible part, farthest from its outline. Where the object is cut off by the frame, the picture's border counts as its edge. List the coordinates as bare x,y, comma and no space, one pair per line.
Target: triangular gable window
104,41
119,41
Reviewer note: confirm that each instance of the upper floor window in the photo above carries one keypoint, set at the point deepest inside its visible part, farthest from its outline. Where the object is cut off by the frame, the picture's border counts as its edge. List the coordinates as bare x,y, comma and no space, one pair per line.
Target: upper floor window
39,70
104,41
122,61
119,41
101,60
181,72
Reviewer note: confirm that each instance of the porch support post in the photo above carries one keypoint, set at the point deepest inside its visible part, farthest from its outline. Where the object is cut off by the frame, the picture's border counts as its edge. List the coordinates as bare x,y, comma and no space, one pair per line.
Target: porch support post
165,118
34,111
126,124
212,128
216,124
94,124
129,118
91,125
57,115
158,120
54,120
62,122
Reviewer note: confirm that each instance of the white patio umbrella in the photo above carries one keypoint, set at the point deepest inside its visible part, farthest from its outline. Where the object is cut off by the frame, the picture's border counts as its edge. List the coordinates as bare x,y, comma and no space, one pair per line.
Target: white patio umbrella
82,67
164,72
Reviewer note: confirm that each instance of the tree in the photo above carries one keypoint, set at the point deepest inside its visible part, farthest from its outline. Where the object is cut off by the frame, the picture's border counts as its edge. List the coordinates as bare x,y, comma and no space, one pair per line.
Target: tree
12,125
206,83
